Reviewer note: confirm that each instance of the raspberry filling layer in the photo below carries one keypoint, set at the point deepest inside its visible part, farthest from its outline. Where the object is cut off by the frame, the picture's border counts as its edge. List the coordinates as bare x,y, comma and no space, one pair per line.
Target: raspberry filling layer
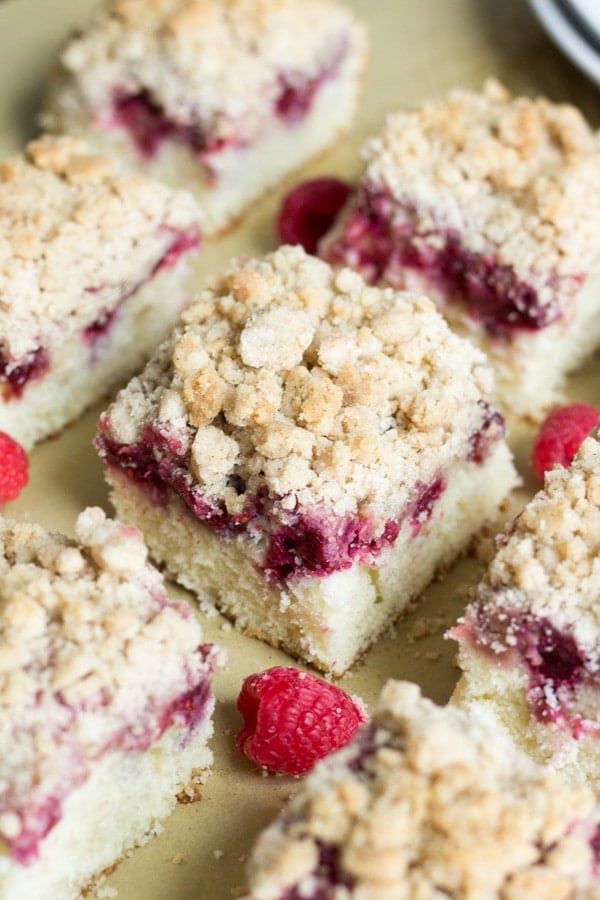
298,544
383,240
556,666
185,712
326,877
149,126
16,375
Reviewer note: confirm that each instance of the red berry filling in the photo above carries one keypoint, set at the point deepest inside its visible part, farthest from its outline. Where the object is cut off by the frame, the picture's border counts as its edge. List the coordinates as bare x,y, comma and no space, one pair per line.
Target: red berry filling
309,210
185,712
561,436
292,719
15,375
182,243
149,126
101,327
382,241
491,431
297,93
556,666
14,468
314,544
327,875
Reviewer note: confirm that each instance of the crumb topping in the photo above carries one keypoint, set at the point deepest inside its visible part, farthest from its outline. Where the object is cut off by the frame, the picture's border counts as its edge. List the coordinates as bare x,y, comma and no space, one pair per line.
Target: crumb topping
288,377
75,237
517,178
428,802
90,649
547,566
214,64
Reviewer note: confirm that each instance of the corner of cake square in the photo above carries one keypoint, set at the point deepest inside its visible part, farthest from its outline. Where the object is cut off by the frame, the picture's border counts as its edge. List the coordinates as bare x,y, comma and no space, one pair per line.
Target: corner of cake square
92,268
307,451
489,203
224,98
428,802
106,703
529,646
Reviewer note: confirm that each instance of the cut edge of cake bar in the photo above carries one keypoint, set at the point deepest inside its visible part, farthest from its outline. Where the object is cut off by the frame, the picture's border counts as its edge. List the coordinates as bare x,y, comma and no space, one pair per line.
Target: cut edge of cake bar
528,642
265,89
105,694
426,802
91,279
488,203
258,449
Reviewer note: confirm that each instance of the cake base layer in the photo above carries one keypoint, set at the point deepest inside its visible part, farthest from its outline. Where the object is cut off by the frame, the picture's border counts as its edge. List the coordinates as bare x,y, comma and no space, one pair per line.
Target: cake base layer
498,693
230,180
119,807
82,371
328,621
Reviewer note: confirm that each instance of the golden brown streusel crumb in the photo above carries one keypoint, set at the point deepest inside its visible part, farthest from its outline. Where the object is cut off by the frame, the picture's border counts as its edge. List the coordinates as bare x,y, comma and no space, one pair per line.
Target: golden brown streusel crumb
87,635
517,178
208,63
547,563
75,235
407,804
310,384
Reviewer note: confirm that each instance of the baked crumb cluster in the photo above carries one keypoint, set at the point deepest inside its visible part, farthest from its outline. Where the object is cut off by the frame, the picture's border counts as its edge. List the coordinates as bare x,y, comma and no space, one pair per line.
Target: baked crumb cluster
547,567
516,178
290,378
92,657
216,64
76,237
428,802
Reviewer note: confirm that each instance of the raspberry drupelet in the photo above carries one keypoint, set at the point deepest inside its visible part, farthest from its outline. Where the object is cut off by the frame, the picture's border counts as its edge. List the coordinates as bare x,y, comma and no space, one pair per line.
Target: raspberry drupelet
292,719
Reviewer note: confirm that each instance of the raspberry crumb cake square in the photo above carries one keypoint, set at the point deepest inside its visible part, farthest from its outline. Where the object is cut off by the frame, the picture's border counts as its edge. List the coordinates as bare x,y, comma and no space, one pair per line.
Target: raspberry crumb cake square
220,96
491,205
105,702
308,450
429,803
529,643
90,280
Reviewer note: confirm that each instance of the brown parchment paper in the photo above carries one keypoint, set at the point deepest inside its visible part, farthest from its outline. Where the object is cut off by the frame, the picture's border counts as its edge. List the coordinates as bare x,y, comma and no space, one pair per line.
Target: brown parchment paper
419,48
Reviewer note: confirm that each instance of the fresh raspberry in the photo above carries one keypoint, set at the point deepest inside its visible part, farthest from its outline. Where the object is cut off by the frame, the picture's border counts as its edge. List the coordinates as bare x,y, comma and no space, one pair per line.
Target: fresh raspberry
14,468
309,210
562,434
292,719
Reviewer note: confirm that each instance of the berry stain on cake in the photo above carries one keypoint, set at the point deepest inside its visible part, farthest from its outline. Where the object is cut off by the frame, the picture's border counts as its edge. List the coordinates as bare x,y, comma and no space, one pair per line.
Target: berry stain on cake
529,640
149,126
296,544
383,248
15,375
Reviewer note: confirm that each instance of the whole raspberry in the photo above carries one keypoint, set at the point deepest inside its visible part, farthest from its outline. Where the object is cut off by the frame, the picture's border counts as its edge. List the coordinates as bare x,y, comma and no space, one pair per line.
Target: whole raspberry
292,719
309,210
14,468
562,434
